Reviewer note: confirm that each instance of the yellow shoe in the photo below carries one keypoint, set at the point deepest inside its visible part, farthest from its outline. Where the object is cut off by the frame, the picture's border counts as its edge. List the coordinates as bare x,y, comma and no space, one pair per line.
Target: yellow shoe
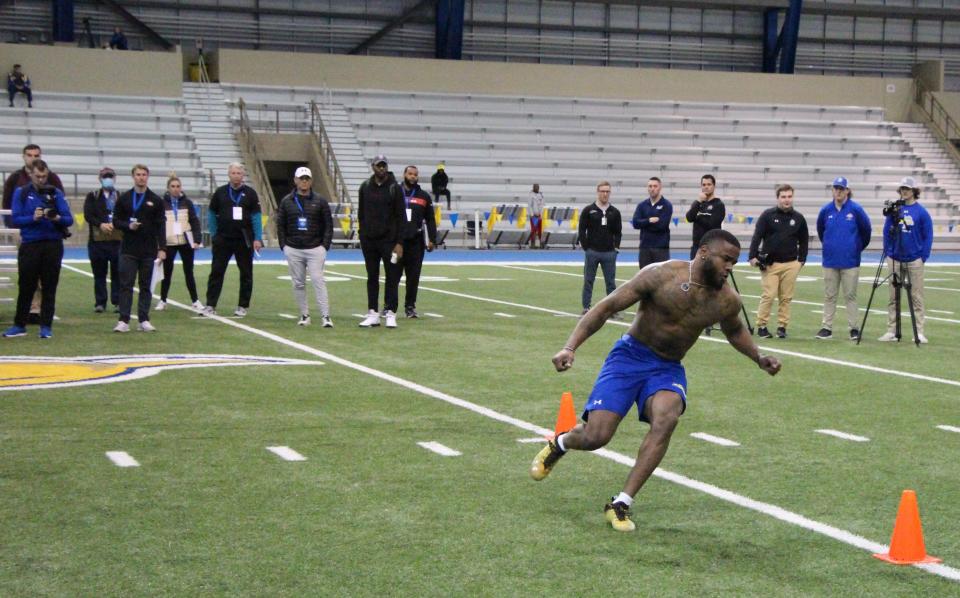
545,460
618,514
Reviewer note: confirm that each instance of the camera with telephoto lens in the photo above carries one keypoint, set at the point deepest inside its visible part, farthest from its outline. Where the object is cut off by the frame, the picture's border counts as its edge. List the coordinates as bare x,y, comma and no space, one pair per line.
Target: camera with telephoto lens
891,207
763,260
48,201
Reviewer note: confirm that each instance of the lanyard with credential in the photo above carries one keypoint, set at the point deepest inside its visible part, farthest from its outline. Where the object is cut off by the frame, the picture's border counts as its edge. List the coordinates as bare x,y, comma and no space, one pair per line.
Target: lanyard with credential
407,198
108,198
299,205
174,203
138,200
235,199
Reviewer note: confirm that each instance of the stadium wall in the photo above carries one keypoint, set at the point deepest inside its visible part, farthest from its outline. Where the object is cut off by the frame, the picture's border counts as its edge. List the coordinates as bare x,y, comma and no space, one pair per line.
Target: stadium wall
69,69
895,95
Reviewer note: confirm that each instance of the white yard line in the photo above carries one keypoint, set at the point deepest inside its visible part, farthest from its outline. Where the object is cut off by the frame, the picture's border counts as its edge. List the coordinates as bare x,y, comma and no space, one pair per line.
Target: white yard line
537,440
843,435
503,315
432,315
714,439
122,459
726,495
286,453
440,449
287,316
949,428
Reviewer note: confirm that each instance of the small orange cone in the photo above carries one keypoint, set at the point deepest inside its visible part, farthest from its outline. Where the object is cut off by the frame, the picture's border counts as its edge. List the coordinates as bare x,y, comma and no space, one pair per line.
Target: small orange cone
567,416
906,545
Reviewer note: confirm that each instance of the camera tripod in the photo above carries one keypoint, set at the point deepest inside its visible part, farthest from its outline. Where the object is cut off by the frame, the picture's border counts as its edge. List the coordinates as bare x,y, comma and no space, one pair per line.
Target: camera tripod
900,279
742,306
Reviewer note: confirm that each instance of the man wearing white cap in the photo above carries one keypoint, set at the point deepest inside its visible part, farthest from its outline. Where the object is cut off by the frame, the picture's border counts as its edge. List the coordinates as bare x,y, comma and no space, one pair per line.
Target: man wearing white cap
304,232
844,229
907,241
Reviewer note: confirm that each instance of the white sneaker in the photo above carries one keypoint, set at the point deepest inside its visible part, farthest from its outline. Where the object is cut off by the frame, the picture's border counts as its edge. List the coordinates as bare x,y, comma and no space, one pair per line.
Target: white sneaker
886,338
161,305
372,319
304,321
121,327
208,311
923,339
198,306
240,312
327,323
391,319
146,326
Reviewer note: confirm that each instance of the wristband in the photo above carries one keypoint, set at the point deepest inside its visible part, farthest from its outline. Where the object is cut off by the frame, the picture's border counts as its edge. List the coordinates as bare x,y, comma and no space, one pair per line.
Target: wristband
571,349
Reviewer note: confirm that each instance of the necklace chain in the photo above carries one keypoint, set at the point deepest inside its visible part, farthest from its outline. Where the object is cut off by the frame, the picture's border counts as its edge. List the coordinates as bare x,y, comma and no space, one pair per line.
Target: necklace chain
685,286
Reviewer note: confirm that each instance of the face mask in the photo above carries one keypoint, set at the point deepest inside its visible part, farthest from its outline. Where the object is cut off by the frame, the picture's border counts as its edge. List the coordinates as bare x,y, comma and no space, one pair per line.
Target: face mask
107,183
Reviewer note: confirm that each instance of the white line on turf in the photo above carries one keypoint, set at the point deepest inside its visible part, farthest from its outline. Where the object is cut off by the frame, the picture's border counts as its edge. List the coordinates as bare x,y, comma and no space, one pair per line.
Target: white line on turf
122,459
487,279
287,316
286,453
714,439
941,311
949,428
440,449
843,435
774,511
532,440
432,315
503,315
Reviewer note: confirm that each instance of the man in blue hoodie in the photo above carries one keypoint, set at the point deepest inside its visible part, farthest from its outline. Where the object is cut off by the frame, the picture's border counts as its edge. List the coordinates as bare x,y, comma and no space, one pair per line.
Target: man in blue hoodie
911,249
42,214
844,229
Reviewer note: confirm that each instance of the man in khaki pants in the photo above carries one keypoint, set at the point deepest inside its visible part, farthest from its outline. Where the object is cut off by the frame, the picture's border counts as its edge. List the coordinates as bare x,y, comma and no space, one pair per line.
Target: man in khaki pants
779,249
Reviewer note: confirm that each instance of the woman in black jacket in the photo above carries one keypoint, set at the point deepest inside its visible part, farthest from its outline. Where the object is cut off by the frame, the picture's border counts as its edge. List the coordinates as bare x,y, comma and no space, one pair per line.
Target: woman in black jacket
183,236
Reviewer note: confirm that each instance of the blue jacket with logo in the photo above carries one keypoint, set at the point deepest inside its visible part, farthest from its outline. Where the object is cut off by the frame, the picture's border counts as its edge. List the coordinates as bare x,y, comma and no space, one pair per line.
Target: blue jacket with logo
26,200
844,234
655,234
916,235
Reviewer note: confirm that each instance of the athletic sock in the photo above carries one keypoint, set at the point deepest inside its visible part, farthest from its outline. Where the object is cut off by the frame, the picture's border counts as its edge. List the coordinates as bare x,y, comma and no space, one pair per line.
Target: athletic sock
624,498
559,441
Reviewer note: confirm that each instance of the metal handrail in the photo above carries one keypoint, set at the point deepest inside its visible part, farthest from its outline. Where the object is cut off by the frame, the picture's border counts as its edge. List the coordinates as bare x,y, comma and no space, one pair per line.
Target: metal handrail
327,154
250,145
943,125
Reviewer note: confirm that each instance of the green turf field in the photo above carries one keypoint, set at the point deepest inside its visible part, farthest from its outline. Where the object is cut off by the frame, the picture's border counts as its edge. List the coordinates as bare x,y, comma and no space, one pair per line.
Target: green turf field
210,511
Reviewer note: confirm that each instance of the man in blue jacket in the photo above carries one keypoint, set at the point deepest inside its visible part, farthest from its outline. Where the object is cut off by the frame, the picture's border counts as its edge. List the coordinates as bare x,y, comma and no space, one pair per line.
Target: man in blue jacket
844,229
652,217
42,214
911,249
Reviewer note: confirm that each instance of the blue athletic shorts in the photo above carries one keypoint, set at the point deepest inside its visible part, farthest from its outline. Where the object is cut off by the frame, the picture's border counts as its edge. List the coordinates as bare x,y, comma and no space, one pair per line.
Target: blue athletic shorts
631,374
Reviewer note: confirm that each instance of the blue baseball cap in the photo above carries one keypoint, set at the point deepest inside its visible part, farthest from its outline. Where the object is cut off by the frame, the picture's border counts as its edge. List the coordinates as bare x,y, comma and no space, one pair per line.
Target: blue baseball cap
840,182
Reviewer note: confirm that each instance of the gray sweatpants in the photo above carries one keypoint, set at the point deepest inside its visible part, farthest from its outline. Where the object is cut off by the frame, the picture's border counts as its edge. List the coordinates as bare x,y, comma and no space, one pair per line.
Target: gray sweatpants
300,262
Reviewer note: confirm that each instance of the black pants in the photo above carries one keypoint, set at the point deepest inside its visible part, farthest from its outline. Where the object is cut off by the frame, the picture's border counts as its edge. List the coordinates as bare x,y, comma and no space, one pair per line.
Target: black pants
132,268
374,252
652,255
12,90
223,250
413,250
186,254
105,256
38,262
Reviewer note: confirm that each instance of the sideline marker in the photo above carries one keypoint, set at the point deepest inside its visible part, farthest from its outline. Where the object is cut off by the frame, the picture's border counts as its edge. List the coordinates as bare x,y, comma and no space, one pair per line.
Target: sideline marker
906,545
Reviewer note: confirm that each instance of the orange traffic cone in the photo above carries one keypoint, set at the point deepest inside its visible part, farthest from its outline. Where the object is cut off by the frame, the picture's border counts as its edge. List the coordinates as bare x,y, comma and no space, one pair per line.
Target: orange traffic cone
567,416
906,545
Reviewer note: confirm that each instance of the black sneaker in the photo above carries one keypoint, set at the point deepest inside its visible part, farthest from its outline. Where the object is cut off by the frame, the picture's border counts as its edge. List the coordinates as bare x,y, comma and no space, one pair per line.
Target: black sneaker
618,514
545,460
412,313
824,334
854,334
762,332
781,332
708,331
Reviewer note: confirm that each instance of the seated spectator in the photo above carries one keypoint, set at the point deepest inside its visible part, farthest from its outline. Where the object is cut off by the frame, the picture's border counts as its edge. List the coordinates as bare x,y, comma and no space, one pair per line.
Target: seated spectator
119,40
19,82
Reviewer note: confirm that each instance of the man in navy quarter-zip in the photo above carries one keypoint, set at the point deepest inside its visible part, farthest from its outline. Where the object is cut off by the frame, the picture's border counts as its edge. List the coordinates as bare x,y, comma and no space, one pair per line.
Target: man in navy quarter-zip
652,217
139,214
235,231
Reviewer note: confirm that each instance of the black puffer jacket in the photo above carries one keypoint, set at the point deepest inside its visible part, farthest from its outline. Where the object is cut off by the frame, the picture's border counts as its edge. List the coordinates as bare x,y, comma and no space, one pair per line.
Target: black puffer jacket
319,222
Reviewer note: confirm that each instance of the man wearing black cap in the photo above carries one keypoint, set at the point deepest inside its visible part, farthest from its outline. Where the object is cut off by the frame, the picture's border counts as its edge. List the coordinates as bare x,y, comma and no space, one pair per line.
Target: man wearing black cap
103,246
380,214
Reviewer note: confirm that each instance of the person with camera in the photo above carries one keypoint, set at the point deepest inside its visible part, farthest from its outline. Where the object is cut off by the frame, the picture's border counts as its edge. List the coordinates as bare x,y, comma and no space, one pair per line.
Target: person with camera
139,214
907,241
844,229
779,249
103,246
43,216
304,233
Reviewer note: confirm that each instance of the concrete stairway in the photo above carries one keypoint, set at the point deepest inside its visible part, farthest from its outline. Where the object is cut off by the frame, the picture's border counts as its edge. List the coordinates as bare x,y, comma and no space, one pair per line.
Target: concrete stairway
212,128
928,148
350,157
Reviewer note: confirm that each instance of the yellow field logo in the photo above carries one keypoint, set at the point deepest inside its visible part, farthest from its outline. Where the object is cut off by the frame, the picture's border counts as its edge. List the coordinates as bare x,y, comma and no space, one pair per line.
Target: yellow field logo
26,373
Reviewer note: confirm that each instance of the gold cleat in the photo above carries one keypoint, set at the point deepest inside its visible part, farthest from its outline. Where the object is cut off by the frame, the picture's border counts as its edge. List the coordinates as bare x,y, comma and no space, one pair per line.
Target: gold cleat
618,514
545,460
